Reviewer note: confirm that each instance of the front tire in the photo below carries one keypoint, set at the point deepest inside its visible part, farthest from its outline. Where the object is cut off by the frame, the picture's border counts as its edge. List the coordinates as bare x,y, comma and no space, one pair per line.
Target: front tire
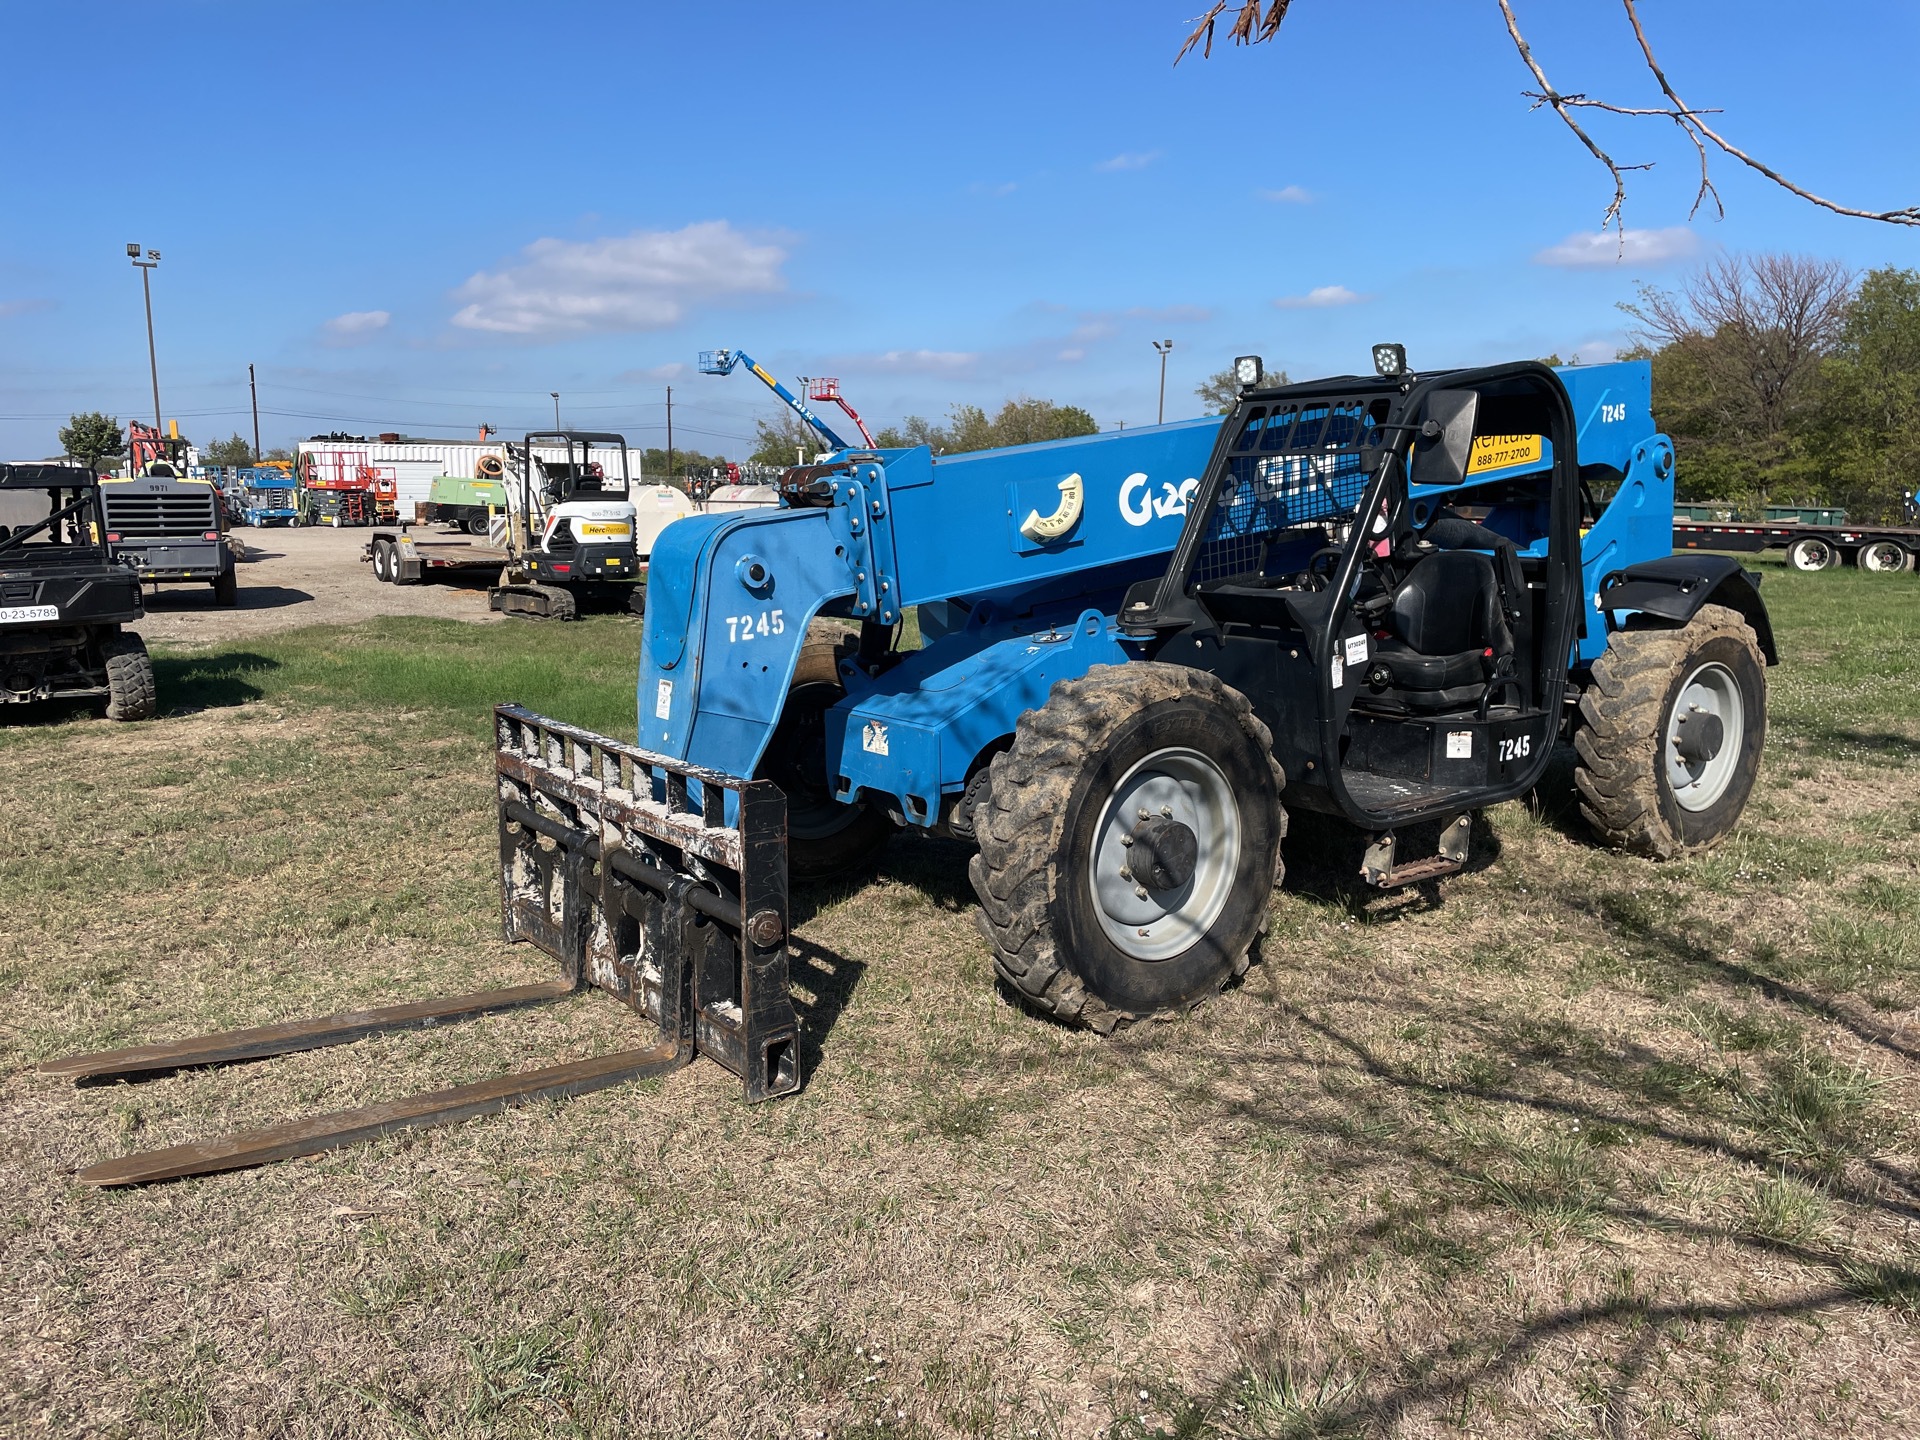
1129,844
826,837
1670,734
131,693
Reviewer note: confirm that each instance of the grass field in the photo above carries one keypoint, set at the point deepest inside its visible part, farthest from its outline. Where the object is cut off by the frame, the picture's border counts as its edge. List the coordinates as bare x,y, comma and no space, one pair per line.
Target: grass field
1573,1145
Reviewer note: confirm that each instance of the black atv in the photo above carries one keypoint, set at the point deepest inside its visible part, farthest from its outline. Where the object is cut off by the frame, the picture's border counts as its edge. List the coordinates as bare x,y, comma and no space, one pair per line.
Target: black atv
64,598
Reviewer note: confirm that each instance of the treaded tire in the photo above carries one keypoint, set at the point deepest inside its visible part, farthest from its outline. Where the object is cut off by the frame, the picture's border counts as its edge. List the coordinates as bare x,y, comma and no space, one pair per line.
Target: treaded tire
226,589
1038,833
1625,793
383,561
131,691
1811,554
825,838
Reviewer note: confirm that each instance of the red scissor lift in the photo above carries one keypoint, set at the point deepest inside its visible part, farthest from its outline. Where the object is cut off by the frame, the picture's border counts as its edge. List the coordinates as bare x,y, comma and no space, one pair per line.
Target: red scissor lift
342,484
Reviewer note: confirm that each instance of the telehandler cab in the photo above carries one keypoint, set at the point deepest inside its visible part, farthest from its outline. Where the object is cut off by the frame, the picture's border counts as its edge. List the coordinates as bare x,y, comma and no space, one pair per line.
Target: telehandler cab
1384,598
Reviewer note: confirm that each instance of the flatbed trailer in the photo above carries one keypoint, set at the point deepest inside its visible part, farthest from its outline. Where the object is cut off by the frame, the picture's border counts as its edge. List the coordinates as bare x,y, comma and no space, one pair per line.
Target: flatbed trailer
403,558
1883,549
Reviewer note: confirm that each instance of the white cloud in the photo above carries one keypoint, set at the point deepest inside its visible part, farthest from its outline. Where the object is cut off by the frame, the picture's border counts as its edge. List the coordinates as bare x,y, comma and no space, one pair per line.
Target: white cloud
1321,297
1604,249
1071,355
356,326
1170,314
922,362
10,308
1287,195
641,281
1136,160
673,370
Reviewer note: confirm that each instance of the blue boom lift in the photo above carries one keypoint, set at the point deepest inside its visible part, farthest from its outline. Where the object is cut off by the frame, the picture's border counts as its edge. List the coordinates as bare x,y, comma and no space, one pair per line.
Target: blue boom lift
1385,598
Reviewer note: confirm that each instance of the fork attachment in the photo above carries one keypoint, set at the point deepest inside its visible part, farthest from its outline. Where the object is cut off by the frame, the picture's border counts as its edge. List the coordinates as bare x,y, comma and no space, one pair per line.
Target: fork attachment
660,882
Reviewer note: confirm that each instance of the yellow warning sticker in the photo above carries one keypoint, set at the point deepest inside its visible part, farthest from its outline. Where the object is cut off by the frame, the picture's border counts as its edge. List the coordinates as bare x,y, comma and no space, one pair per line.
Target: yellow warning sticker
1499,452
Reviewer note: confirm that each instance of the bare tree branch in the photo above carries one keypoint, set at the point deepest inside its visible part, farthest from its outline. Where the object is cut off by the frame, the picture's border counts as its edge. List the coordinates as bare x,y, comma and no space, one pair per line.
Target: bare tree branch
1689,119
1255,21
1547,95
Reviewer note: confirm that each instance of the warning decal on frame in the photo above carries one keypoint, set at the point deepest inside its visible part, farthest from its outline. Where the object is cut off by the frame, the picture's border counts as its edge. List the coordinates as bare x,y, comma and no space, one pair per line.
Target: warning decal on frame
1459,745
1339,670
663,700
873,739
1356,649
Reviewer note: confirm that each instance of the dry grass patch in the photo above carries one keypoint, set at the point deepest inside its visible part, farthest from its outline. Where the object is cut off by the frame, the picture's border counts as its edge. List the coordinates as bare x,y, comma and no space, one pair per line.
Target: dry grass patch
1572,1144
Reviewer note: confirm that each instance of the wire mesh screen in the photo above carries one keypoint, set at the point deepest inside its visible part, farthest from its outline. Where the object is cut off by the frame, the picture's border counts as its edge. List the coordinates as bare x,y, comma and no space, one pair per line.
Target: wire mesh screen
1293,466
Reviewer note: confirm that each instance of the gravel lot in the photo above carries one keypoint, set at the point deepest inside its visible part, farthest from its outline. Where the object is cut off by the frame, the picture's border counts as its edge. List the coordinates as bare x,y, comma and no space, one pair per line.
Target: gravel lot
302,577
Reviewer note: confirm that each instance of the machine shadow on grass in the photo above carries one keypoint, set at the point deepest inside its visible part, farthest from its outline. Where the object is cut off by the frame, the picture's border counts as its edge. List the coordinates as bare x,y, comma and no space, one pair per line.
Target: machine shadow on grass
1518,1161
209,682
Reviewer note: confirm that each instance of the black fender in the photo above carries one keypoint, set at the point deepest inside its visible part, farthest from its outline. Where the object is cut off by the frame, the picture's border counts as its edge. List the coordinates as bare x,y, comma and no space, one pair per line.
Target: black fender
1674,588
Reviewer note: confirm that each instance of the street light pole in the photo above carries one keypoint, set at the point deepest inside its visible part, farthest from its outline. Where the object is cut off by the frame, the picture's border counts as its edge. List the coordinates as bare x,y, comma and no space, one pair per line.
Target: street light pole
556,408
254,391
1164,349
146,285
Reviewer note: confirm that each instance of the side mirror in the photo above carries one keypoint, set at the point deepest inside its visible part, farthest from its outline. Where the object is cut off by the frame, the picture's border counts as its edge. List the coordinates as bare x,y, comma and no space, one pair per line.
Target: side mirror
1445,439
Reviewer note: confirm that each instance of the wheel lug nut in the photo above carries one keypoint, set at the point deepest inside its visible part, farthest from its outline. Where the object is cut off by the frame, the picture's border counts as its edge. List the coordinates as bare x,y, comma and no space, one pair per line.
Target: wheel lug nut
1167,811
1125,873
1141,891
1126,842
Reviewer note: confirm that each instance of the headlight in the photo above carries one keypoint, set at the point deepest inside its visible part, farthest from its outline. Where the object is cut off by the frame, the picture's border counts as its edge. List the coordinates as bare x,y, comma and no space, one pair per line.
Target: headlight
1247,371
1390,359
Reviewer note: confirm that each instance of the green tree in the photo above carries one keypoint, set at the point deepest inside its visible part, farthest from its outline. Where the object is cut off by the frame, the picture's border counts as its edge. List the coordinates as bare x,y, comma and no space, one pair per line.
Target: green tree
784,440
1865,440
91,437
1220,392
232,451
1739,355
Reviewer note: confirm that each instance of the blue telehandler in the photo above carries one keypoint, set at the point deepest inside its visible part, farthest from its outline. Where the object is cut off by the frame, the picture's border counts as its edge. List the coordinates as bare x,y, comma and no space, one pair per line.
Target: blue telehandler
1384,598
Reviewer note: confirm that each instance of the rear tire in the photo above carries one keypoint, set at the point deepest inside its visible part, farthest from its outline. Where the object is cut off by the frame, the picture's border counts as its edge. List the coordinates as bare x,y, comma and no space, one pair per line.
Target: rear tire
825,837
1081,797
1647,784
1884,557
226,589
382,561
476,525
1810,553
131,694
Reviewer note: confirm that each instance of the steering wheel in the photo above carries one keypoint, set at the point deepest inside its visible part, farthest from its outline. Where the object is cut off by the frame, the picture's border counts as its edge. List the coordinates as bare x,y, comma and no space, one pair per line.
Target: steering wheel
1320,567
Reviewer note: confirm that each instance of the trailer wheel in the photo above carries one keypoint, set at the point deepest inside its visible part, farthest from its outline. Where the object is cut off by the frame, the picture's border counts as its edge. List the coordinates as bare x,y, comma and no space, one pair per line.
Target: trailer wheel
130,689
1670,734
825,837
1810,553
382,561
226,588
1884,557
1129,844
475,525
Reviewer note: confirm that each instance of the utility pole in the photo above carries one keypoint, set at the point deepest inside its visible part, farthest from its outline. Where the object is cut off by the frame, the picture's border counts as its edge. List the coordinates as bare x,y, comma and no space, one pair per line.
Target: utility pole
146,284
1164,348
669,434
253,390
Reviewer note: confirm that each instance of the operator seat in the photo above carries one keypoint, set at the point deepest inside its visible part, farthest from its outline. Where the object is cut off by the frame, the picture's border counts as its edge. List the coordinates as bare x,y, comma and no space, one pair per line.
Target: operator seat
1445,633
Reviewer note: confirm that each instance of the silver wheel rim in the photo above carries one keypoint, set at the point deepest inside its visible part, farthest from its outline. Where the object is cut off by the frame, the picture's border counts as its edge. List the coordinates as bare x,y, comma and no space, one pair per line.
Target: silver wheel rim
1710,694
1811,555
1184,786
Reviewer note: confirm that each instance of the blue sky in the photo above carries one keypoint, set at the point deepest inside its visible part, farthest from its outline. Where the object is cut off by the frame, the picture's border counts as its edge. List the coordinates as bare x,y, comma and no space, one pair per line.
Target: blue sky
425,216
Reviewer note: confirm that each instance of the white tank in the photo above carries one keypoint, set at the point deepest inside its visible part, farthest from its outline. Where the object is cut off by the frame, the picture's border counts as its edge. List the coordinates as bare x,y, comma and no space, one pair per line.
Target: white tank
741,497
